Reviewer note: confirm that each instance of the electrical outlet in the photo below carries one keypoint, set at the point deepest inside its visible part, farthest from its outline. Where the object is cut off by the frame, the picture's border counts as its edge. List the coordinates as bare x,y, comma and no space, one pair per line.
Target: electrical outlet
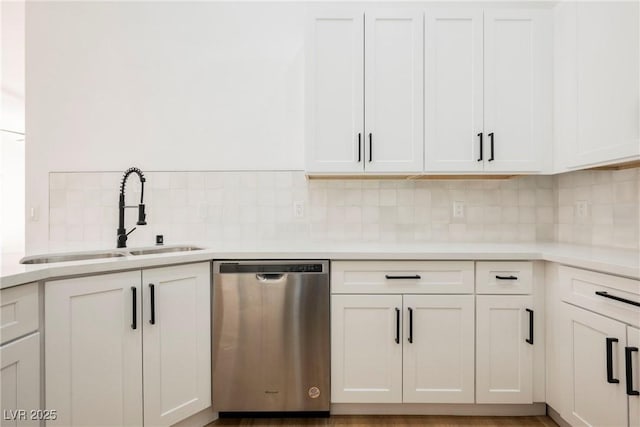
34,214
458,209
298,209
582,209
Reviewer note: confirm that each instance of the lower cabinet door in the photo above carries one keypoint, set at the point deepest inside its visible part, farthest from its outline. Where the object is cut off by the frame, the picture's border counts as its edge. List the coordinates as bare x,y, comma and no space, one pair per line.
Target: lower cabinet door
177,342
93,350
20,381
633,374
504,359
597,381
438,351
366,348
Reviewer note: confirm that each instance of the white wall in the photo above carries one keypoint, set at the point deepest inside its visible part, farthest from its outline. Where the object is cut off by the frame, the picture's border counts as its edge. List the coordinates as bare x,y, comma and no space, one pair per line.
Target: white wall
12,149
163,86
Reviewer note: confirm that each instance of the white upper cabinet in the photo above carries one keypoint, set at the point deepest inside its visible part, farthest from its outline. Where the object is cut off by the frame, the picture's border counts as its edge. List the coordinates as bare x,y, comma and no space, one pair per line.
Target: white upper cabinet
597,90
334,93
517,89
341,50
393,91
464,90
453,90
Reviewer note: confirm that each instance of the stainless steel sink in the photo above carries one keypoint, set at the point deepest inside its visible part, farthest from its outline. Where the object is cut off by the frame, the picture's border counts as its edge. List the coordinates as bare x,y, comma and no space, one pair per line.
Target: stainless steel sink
50,258
170,249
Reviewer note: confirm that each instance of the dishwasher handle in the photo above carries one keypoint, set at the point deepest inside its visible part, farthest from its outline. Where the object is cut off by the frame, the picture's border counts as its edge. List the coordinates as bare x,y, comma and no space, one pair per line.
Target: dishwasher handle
270,277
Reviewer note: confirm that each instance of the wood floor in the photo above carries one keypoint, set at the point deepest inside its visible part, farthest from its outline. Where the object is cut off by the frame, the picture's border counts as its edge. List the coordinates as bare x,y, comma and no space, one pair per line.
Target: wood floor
390,420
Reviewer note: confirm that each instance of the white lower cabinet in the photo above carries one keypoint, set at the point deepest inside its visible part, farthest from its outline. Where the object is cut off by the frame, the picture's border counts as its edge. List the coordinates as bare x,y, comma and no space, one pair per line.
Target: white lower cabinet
366,350
20,381
177,343
632,366
504,349
96,327
438,349
93,350
597,379
402,348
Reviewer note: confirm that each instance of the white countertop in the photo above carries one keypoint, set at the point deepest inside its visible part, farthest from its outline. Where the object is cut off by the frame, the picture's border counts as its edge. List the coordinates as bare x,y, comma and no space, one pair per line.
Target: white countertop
612,261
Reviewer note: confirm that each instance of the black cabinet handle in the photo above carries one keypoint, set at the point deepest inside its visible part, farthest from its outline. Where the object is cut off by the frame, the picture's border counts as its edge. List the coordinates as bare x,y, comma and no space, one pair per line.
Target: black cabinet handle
134,304
359,147
491,138
610,378
506,277
397,325
391,277
629,368
410,339
370,147
627,301
152,294
481,149
530,339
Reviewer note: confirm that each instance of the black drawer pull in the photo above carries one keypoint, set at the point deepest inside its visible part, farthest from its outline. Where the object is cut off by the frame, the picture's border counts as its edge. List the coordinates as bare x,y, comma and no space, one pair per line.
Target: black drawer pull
613,297
491,159
610,378
410,339
370,148
134,304
391,277
530,339
506,277
481,149
359,147
397,325
629,368
152,294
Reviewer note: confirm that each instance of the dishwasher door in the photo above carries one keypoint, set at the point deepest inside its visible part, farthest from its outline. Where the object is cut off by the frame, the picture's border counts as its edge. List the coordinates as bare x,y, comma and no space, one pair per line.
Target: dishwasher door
271,336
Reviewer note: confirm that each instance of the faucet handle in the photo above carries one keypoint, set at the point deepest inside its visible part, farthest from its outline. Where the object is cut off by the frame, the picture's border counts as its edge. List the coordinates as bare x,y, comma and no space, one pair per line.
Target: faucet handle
131,231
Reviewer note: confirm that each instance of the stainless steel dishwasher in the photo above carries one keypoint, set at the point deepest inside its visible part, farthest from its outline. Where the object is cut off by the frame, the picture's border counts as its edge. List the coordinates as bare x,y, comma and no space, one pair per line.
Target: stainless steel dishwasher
271,342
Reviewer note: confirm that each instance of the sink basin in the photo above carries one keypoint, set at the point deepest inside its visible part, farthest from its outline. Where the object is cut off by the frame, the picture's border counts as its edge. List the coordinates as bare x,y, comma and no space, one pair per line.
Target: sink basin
170,249
50,258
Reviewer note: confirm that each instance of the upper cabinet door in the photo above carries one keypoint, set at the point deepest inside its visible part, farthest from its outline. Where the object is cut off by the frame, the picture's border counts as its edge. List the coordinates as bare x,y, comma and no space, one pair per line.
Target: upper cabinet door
608,91
517,91
334,93
453,92
394,91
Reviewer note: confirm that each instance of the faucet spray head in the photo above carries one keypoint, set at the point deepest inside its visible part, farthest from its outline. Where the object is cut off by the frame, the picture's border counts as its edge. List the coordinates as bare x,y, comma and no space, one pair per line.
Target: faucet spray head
142,216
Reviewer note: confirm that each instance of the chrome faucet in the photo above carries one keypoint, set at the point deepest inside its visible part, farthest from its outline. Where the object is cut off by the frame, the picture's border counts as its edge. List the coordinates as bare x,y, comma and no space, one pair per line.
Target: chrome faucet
122,232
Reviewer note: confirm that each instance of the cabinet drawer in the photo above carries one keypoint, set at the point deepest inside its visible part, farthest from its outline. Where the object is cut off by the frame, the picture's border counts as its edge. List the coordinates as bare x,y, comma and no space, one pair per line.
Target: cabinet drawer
612,296
18,311
504,277
390,277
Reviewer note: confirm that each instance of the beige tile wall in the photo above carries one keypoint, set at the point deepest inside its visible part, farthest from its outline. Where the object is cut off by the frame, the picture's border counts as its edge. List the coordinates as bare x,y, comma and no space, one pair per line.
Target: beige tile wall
612,215
253,207
248,207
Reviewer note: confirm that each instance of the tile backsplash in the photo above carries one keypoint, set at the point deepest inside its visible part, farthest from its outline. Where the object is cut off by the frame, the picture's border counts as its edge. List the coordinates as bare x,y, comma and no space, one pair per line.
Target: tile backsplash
258,207
610,216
